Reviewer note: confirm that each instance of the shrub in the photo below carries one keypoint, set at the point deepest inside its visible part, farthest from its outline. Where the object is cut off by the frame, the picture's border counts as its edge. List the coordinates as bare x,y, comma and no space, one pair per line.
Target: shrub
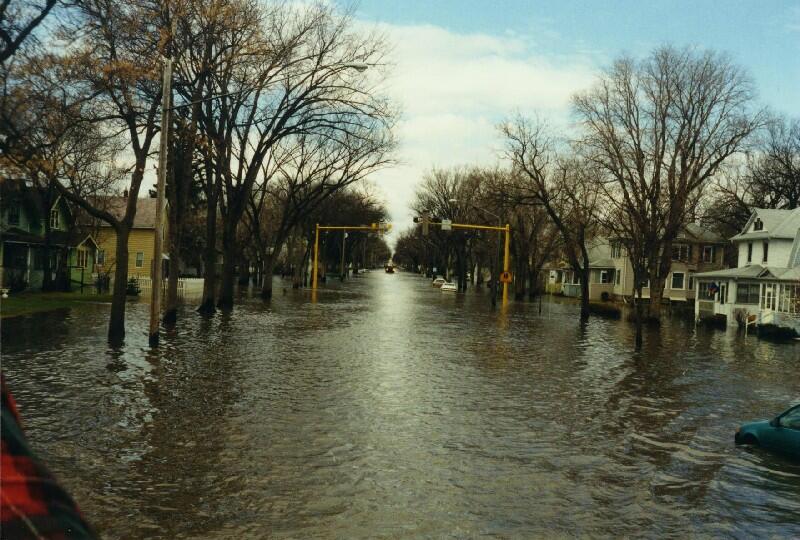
133,288
776,333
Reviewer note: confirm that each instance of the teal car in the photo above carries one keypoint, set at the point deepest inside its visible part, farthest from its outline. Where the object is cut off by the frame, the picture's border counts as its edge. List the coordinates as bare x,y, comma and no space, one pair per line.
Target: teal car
781,434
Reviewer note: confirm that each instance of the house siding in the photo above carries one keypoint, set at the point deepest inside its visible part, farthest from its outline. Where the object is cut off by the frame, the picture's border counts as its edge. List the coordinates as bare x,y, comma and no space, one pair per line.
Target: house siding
139,240
778,252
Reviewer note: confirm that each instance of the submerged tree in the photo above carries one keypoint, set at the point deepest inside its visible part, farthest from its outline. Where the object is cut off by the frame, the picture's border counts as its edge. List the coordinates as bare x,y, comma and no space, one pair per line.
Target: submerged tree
659,129
566,187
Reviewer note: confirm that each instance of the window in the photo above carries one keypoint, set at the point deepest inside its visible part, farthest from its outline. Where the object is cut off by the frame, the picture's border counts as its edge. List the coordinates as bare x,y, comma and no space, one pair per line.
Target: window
101,257
606,276
708,254
747,293
677,280
758,225
707,291
766,251
691,282
749,252
13,213
139,259
617,276
681,252
82,258
791,419
616,250
54,219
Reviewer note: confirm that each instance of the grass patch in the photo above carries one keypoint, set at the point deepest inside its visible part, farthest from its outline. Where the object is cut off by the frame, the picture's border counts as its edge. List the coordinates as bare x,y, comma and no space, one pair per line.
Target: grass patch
27,303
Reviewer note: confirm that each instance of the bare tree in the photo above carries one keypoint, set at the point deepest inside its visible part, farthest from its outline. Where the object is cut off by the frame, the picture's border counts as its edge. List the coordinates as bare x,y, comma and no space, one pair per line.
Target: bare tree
660,128
292,76
18,20
769,177
311,168
566,187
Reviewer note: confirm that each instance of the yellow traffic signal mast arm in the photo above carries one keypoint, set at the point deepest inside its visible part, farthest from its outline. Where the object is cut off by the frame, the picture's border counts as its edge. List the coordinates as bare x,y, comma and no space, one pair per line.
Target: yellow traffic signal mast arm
376,227
506,251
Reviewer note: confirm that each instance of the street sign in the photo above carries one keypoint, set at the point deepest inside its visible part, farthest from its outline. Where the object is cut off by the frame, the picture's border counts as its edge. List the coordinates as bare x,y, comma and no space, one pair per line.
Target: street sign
505,277
447,225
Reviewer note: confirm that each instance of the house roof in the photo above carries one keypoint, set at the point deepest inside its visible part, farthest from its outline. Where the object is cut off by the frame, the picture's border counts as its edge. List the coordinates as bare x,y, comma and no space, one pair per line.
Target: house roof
57,237
693,231
754,271
777,224
145,217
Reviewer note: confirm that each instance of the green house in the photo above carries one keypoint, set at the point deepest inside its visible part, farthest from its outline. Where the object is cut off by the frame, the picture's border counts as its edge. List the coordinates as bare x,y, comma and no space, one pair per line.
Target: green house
33,224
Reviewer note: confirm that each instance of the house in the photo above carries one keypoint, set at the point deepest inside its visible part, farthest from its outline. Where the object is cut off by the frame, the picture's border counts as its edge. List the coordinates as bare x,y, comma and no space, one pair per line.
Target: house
694,250
765,286
24,237
140,242
611,274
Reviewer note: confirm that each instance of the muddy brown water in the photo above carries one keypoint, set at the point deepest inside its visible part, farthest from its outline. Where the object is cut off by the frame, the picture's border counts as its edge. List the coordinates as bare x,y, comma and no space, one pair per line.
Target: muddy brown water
391,410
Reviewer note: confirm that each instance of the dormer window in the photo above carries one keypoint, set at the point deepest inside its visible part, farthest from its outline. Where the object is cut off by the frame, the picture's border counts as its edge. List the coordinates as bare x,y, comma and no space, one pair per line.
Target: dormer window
54,219
758,225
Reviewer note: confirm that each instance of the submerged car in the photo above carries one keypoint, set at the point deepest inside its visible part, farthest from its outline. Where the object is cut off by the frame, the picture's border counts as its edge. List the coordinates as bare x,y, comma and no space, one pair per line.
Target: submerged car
449,287
781,434
438,282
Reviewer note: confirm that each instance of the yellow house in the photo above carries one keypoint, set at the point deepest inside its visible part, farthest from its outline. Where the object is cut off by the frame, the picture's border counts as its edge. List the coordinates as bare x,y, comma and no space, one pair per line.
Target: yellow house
140,242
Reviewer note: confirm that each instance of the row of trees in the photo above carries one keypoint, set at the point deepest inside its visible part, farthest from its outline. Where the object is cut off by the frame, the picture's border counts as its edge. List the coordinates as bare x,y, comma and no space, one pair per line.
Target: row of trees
659,142
273,115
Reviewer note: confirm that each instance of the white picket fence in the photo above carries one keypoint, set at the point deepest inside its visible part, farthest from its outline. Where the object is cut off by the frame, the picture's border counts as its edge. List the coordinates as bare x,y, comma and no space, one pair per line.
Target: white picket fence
186,286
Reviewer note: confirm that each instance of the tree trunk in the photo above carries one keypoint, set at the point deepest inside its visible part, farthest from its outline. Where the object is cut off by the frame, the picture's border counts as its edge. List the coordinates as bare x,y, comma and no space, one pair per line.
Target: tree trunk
116,325
171,311
227,281
521,278
269,264
584,275
638,315
297,262
656,296
244,271
207,304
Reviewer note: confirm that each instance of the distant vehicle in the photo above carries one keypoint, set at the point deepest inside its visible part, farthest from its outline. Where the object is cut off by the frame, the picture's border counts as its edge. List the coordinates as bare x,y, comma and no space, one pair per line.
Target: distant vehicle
389,269
449,287
781,434
438,282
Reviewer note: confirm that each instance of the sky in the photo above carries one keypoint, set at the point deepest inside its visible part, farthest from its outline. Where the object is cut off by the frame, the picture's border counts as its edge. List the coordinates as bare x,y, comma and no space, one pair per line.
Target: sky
461,67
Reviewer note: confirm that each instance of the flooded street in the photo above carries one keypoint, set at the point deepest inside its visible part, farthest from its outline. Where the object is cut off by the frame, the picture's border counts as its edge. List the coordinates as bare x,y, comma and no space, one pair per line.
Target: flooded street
389,409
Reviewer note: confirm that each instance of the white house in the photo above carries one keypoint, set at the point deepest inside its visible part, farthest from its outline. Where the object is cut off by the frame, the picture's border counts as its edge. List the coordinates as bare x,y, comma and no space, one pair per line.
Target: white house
766,284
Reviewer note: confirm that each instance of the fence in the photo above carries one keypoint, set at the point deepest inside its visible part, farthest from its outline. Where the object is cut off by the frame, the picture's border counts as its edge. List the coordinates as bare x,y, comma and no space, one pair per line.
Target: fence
186,286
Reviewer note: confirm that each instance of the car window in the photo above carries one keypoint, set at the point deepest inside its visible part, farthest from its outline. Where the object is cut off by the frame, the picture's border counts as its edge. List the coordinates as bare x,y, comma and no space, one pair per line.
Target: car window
791,419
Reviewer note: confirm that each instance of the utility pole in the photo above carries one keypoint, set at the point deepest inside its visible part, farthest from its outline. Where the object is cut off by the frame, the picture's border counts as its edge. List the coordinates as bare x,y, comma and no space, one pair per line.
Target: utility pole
158,244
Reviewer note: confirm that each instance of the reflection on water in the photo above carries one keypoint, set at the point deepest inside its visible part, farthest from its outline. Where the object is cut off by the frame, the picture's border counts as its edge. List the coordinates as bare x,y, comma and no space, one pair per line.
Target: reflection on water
389,409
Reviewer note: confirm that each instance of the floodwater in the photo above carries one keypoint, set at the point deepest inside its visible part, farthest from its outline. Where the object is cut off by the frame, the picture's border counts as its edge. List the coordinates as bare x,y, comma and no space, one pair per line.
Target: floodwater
391,410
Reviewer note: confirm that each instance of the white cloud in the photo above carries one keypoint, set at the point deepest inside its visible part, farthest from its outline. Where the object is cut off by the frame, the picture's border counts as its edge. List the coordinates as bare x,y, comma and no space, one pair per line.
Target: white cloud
454,88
